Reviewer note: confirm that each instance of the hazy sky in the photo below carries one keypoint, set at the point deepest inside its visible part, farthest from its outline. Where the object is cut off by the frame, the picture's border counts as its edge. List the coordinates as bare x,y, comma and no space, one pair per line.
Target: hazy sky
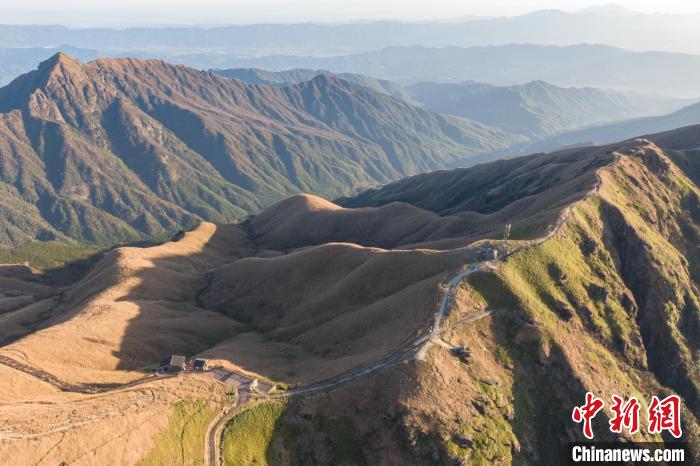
90,12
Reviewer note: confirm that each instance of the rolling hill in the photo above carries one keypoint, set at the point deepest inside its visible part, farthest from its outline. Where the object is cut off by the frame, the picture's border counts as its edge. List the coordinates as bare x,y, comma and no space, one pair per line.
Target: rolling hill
597,292
122,150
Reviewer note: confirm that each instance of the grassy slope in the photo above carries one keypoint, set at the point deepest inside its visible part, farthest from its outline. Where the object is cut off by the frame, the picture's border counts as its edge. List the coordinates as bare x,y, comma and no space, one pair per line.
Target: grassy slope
183,442
265,434
247,437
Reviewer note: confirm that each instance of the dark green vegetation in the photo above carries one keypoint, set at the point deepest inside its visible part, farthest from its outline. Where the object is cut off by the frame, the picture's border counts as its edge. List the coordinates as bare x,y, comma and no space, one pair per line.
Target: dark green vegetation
247,437
121,150
49,255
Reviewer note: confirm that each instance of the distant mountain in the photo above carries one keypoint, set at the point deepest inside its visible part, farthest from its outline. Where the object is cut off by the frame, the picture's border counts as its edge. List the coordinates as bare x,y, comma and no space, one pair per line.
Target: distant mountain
668,74
689,115
535,109
296,76
117,150
551,27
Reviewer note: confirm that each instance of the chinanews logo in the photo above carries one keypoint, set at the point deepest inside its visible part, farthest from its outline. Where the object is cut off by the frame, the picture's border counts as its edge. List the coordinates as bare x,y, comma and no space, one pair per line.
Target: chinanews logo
662,417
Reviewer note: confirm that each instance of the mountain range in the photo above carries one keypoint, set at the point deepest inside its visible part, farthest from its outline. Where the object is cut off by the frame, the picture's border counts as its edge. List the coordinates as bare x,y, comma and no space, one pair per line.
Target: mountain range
296,76
667,75
535,110
632,31
582,65
120,150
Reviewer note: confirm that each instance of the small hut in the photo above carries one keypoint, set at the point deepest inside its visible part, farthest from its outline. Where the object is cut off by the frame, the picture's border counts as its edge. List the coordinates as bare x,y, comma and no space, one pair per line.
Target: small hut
172,364
200,364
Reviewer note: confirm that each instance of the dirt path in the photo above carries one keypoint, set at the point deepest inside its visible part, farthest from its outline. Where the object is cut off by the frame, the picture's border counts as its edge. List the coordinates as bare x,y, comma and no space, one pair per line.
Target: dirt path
68,387
212,442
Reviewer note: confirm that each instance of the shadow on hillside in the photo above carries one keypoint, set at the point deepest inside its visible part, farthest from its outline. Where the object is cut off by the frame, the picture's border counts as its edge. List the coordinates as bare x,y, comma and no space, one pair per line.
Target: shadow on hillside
286,324
169,318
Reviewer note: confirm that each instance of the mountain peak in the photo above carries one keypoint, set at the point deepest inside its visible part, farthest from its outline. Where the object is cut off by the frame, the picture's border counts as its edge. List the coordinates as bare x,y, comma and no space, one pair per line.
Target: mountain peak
18,91
57,66
59,60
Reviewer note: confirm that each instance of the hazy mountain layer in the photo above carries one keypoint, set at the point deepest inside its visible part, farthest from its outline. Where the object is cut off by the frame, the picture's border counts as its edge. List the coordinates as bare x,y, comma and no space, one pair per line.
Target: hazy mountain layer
689,115
667,74
535,109
627,30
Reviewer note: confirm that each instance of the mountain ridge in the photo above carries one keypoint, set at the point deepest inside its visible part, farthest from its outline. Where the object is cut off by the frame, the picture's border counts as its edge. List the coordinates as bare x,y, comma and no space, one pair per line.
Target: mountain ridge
108,142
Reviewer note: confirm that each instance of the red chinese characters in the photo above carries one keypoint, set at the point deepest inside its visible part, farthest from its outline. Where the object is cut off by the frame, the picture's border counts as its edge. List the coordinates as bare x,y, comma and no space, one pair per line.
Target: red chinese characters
586,413
625,415
665,415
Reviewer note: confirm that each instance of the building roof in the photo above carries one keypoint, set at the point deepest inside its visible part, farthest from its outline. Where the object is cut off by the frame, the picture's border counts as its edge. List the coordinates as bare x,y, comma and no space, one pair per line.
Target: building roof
199,363
173,361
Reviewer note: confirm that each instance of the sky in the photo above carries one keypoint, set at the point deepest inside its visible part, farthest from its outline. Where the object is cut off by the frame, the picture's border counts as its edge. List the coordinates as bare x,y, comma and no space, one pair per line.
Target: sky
106,12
